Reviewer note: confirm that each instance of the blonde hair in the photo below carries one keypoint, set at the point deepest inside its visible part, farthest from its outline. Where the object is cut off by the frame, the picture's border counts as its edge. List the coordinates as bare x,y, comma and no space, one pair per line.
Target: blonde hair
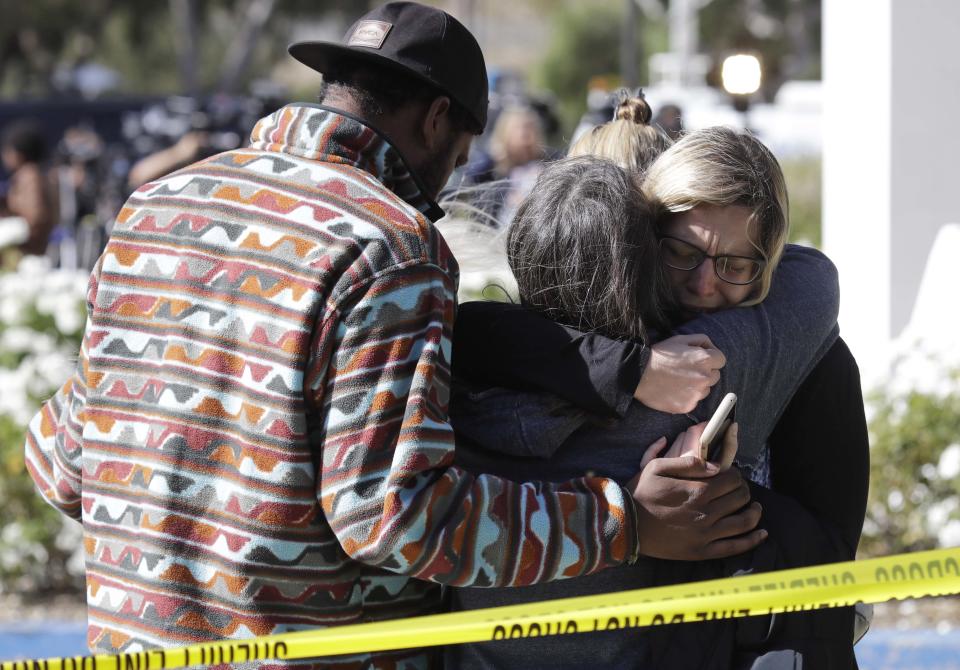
507,123
723,166
628,140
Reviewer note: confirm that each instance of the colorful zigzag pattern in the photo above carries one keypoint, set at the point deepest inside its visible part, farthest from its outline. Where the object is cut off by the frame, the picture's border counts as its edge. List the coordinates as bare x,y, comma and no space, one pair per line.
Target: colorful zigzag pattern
256,437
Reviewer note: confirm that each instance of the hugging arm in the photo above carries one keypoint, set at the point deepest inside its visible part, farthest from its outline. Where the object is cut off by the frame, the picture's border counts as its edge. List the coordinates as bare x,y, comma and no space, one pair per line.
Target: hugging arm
508,345
378,380
769,348
772,346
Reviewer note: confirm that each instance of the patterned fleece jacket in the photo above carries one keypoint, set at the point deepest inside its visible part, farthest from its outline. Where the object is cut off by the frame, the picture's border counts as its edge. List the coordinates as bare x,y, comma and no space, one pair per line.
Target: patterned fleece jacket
256,437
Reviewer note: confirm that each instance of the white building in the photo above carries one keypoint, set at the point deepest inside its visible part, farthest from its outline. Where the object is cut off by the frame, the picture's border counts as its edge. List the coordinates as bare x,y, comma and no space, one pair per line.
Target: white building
892,169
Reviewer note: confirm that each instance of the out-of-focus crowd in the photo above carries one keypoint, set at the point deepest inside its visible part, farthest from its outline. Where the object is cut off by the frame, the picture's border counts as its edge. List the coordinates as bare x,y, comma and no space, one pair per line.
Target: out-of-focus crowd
63,182
64,177
521,135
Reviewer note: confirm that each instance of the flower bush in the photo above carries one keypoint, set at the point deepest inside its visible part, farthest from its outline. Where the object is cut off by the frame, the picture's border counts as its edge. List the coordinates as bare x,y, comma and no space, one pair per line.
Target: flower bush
914,499
41,322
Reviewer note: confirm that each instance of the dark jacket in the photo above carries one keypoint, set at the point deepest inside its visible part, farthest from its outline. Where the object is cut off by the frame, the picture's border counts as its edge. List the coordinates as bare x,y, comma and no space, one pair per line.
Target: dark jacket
527,435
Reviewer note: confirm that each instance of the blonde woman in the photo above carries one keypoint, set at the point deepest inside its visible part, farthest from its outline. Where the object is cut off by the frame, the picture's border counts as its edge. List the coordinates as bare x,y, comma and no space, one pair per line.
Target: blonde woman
496,181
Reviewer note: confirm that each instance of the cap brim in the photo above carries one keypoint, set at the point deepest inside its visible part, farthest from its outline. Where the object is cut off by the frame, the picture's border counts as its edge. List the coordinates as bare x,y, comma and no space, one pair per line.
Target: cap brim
321,56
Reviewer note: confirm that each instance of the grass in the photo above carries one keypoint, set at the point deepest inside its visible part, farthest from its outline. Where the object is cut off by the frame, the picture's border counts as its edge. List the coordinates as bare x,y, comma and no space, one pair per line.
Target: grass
806,205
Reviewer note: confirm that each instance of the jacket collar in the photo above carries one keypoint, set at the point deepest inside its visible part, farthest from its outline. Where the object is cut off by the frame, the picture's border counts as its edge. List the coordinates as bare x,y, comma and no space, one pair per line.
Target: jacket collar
324,134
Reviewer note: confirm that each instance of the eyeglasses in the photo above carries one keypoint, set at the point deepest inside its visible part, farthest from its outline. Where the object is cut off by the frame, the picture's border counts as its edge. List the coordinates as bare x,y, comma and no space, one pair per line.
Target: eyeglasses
681,255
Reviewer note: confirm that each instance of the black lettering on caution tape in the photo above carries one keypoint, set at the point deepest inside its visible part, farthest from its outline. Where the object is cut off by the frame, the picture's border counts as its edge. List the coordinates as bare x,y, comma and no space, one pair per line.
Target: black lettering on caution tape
535,629
915,570
219,654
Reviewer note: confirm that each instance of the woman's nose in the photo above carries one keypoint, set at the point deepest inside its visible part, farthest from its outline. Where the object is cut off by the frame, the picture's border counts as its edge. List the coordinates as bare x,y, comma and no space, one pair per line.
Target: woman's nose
703,280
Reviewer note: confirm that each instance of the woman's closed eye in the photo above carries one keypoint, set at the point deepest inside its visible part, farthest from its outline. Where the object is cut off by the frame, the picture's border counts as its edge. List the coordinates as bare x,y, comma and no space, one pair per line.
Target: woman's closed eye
735,266
682,252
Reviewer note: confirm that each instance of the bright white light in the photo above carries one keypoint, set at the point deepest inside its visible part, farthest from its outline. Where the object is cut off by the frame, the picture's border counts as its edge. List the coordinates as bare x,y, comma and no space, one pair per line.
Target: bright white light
949,465
741,74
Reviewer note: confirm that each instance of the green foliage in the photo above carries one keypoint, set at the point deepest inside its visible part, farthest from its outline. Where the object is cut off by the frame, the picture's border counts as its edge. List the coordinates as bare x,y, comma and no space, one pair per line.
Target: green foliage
32,555
585,44
137,38
144,58
915,472
41,321
803,177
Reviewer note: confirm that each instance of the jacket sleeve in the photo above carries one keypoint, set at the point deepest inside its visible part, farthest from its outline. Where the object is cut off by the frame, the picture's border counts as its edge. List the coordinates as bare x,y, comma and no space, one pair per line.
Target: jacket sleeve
772,346
389,489
508,345
820,448
52,452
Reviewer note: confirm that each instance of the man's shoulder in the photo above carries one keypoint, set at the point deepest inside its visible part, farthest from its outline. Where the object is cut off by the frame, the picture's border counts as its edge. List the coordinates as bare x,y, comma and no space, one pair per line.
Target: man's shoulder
355,203
326,205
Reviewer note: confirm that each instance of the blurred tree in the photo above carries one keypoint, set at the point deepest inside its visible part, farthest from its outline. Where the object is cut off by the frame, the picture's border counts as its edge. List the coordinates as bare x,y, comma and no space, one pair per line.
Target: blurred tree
38,36
804,178
584,45
183,46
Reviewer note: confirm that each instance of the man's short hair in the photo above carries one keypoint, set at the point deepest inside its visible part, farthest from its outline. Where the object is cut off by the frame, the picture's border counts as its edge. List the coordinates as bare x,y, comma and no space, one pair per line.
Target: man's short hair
378,91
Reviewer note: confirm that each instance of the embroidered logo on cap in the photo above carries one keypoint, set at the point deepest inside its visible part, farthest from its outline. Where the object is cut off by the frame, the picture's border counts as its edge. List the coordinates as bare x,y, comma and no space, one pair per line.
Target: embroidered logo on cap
370,34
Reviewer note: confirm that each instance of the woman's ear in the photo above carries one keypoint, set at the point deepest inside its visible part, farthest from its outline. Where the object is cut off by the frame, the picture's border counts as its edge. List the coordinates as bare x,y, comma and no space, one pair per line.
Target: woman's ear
436,123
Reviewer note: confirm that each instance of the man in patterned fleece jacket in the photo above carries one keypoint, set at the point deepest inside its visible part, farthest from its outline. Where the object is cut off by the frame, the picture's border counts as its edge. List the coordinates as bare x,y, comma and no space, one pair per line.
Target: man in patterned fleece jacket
256,437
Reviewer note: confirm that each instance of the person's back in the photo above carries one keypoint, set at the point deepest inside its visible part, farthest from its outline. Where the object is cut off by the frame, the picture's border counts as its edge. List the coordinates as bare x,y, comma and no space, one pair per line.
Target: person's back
198,464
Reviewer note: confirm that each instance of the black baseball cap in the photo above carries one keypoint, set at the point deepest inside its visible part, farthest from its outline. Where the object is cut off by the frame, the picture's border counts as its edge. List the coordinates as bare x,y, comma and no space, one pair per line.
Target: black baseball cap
422,41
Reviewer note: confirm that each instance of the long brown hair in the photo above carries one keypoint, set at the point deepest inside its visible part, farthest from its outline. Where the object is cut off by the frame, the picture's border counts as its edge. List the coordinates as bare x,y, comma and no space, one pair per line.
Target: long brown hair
584,252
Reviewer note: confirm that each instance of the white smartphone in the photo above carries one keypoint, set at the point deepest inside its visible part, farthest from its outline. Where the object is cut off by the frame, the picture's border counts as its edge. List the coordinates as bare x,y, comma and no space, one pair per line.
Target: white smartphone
717,424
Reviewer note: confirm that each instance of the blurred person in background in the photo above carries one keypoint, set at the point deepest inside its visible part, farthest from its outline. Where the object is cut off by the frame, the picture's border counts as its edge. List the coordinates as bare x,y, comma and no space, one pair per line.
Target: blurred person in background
821,514
29,204
506,172
194,130
77,158
669,119
190,147
84,188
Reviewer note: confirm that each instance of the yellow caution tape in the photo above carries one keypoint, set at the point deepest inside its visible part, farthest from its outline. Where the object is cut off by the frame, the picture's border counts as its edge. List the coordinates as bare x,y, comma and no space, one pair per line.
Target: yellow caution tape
917,575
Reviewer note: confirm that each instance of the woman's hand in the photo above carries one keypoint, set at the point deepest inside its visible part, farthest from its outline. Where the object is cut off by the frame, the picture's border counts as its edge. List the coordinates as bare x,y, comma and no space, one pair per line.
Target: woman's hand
680,373
687,443
683,445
